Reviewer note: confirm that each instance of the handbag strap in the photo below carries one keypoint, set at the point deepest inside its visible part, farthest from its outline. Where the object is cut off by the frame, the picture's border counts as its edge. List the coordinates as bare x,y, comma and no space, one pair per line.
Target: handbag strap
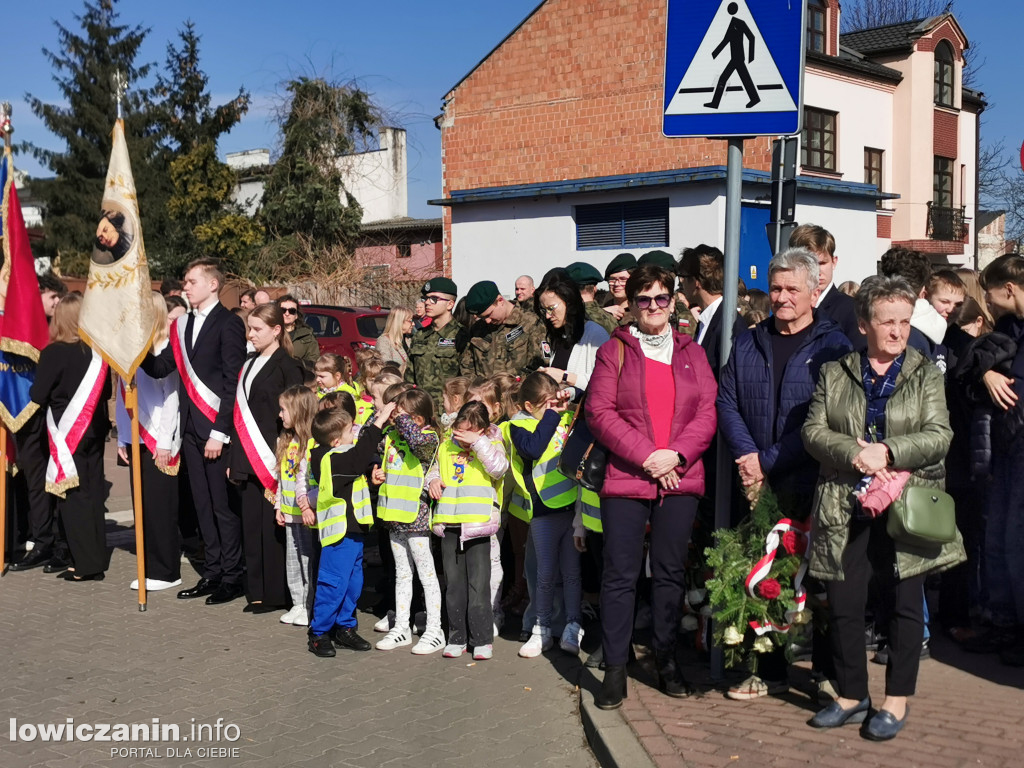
579,407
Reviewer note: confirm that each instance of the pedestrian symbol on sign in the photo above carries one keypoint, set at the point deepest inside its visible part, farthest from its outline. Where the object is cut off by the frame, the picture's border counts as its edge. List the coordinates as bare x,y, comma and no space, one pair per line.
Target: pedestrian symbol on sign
760,88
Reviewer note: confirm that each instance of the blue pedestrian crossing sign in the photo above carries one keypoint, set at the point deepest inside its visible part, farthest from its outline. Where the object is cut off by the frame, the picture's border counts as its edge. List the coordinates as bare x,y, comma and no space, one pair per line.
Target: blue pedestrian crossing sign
734,68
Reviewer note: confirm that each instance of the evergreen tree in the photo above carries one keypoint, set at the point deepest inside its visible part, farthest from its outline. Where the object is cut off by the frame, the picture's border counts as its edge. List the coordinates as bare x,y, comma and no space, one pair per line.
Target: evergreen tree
203,219
84,64
303,192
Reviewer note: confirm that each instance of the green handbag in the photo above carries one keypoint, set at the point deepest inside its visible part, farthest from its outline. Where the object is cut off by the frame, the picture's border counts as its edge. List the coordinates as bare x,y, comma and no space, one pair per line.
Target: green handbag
922,517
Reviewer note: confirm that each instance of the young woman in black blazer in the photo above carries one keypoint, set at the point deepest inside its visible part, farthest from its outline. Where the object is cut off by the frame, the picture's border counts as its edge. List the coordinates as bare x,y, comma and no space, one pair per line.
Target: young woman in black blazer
251,469
62,369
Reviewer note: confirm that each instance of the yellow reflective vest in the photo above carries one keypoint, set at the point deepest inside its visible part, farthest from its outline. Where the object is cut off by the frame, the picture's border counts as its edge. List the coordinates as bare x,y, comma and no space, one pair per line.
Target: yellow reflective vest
470,494
399,499
554,489
331,512
288,480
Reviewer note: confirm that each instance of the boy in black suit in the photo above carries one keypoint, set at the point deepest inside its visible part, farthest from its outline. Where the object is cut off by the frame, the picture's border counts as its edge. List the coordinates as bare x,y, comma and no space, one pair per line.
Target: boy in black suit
837,306
207,349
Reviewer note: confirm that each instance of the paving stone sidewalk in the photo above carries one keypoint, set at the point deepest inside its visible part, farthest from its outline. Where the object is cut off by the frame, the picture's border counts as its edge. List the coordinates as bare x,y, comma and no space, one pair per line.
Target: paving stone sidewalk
85,651
968,711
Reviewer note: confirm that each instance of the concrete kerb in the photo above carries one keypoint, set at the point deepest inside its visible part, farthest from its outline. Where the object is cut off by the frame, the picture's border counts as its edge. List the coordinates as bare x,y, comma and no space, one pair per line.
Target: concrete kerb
613,741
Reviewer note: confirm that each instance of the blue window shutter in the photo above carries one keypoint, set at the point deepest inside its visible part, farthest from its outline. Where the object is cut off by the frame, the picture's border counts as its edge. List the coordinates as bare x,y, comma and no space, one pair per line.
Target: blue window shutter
618,225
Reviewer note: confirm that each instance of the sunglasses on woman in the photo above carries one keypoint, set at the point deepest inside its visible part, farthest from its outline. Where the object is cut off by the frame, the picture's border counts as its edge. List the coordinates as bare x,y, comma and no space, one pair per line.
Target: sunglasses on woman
662,300
289,310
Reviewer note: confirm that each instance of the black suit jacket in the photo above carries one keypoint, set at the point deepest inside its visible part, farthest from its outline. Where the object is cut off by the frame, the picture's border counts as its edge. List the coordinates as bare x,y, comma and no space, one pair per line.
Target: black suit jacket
217,357
841,310
712,343
281,371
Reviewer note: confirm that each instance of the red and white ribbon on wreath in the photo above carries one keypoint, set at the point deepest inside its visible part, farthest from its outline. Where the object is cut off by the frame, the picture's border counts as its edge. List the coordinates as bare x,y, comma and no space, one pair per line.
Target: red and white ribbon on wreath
763,567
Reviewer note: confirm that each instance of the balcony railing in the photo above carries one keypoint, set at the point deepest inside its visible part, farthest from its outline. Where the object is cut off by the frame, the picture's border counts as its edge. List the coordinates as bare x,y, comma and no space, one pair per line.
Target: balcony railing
946,223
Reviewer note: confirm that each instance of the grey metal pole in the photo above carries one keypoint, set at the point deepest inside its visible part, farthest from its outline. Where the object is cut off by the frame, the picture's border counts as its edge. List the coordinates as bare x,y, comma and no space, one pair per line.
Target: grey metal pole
733,197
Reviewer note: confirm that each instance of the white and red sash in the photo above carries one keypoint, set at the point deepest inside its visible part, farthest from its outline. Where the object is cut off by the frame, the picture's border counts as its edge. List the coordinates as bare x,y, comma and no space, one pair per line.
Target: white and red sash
61,474
149,426
260,455
204,398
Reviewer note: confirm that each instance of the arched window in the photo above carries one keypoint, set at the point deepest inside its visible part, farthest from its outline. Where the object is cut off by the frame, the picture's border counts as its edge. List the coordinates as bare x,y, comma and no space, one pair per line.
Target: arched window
944,74
816,26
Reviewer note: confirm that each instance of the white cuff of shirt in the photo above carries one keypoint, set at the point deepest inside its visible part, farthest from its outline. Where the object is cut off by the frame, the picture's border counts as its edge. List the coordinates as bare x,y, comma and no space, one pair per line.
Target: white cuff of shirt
220,436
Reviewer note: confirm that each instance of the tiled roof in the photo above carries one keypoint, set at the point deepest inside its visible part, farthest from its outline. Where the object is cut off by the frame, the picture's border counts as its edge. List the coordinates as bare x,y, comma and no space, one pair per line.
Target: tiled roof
892,37
849,60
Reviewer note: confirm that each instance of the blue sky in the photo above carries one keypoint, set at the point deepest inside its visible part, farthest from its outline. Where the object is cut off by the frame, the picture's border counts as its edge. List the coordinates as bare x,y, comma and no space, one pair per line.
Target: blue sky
407,53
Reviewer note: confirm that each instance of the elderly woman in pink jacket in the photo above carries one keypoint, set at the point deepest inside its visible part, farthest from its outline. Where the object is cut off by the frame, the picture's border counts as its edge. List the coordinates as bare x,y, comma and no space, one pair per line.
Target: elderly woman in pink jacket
655,413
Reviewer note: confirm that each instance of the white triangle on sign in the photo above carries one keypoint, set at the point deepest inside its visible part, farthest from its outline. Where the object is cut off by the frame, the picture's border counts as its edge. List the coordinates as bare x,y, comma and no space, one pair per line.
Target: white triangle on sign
732,34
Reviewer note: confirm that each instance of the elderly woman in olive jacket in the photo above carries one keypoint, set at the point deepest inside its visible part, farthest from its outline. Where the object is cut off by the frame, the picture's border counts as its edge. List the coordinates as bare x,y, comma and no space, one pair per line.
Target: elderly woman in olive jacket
894,392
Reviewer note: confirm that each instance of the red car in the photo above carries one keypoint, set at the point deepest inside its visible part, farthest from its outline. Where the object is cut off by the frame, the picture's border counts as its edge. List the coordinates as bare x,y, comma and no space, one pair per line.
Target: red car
343,330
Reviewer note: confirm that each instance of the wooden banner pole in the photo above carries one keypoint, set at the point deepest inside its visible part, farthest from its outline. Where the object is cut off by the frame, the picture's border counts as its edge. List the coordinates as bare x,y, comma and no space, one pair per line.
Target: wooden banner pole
131,402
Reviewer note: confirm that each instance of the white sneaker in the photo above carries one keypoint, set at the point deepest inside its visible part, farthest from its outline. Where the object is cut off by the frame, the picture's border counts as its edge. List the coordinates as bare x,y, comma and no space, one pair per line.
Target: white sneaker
572,636
290,615
394,639
385,624
483,652
540,641
453,651
300,619
429,643
156,585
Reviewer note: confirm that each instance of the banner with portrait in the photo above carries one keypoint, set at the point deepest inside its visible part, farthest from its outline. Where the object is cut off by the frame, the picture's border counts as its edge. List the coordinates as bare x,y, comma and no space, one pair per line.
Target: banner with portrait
117,310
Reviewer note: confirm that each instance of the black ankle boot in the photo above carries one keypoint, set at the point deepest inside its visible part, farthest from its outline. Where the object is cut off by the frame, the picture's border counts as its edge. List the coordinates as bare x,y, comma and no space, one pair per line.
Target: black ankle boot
670,680
613,689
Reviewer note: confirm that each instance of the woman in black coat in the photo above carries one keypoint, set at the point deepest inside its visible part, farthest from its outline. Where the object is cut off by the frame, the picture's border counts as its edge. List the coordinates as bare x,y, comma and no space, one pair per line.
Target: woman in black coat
252,466
65,366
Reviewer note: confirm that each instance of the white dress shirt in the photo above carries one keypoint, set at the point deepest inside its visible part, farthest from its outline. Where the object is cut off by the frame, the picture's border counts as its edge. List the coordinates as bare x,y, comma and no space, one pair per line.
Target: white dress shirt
704,321
253,367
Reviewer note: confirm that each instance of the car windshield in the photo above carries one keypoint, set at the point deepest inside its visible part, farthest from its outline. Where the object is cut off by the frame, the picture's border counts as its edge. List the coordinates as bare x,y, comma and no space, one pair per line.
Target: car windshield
371,326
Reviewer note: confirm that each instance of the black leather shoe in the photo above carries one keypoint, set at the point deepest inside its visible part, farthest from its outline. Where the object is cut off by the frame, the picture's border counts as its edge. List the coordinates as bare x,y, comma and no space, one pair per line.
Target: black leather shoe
57,565
347,637
884,725
72,576
613,689
33,559
321,646
202,588
671,681
225,593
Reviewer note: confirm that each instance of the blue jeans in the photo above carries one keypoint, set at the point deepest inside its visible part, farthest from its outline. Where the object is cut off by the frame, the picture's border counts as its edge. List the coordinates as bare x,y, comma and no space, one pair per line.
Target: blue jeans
1004,537
557,620
556,555
339,583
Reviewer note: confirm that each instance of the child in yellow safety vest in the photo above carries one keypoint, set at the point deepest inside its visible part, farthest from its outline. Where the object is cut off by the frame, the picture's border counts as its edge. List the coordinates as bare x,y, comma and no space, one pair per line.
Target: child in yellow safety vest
403,507
466,482
343,517
537,443
291,504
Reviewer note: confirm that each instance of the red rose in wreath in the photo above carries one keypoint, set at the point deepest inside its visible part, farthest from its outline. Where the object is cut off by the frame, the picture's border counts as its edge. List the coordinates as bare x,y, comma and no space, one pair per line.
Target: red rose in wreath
794,543
769,589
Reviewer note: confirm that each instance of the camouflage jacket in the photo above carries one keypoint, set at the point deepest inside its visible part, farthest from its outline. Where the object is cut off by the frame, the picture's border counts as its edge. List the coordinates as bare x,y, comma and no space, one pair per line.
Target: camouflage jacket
599,316
434,358
516,346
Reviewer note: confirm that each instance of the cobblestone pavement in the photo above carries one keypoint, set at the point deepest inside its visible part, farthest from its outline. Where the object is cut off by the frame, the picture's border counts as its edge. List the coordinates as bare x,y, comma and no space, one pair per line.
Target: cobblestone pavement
85,651
968,711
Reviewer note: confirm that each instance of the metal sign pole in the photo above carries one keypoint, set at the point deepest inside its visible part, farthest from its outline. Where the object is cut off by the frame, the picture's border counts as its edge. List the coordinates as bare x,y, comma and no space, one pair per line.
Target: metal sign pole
733,198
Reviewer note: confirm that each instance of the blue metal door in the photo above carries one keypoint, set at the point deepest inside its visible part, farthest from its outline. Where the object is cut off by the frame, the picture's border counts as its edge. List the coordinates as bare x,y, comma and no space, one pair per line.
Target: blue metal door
755,251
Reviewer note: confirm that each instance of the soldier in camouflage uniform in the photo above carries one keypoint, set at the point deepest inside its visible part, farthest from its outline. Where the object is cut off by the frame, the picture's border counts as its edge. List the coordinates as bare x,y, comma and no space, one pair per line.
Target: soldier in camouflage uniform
524,294
434,351
586,278
504,340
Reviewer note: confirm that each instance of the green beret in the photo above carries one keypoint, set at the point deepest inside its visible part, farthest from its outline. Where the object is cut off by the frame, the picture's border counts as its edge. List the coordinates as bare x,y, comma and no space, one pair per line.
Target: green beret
440,285
481,296
583,274
658,259
624,262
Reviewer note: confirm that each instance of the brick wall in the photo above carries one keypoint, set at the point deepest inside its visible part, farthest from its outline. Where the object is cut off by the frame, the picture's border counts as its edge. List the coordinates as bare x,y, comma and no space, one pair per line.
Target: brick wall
833,12
945,31
945,142
575,92
884,226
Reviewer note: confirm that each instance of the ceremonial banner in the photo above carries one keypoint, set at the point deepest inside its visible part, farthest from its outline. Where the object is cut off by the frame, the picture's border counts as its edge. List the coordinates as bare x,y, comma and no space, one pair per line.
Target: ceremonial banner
117,310
23,329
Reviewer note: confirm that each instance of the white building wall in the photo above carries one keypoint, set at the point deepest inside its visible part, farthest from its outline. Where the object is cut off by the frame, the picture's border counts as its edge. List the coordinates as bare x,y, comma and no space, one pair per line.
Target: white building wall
377,179
865,120
502,240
